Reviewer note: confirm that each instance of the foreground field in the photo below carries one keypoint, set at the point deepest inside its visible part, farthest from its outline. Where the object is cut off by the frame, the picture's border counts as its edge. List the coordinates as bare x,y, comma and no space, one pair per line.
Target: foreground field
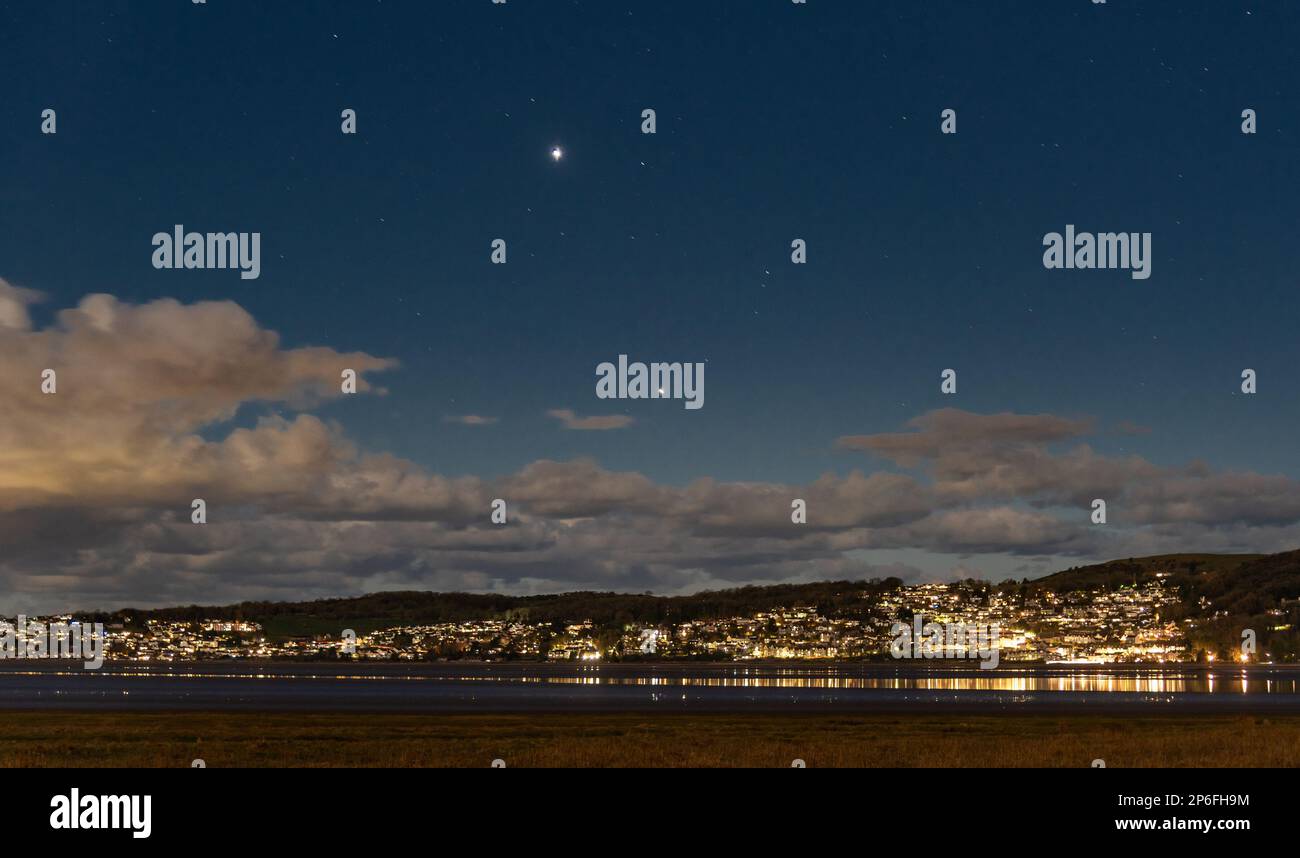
763,740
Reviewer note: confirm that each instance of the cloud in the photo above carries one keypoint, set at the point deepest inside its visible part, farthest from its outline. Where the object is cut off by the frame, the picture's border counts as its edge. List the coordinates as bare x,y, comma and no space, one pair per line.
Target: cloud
1004,457
974,458
13,306
590,424
96,483
470,420
136,386
1128,427
951,428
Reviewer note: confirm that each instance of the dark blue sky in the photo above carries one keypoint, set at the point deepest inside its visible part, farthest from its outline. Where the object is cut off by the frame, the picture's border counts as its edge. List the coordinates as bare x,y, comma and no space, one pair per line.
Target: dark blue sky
775,121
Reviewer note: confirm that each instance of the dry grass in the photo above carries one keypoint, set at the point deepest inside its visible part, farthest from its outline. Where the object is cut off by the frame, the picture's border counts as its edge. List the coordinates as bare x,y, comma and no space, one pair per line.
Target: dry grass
69,739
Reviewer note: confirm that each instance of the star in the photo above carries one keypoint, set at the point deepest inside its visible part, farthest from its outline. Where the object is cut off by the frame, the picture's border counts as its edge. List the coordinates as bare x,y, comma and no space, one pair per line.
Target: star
557,153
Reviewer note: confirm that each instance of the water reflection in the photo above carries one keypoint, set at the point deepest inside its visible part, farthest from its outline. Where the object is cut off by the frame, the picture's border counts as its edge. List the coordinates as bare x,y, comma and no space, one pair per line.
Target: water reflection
1155,680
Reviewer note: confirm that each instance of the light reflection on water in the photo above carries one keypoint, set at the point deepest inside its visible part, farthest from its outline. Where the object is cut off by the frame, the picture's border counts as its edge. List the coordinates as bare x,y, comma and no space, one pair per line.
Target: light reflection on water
1255,680
1158,683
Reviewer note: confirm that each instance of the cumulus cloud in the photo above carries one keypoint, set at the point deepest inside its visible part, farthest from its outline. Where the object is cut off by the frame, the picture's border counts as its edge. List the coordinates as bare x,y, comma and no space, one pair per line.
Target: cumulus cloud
1012,458
136,385
96,482
13,306
1002,456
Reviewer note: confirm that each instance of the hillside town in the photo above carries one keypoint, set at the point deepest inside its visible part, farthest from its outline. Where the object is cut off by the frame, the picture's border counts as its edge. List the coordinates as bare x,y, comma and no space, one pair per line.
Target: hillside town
1127,624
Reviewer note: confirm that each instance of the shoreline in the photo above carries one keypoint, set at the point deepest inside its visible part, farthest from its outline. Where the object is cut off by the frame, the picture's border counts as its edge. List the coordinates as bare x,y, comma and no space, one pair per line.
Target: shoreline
719,688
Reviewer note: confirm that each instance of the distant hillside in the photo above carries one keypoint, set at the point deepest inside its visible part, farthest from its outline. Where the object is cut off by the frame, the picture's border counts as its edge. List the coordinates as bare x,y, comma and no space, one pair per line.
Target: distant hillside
1236,584
1179,569
381,610
1222,593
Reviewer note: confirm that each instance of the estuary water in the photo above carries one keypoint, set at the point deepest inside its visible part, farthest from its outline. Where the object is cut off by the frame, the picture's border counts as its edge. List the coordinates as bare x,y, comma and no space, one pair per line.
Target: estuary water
524,687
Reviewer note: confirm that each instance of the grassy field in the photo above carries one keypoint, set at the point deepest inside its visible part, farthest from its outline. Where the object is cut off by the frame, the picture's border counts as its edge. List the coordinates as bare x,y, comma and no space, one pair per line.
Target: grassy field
70,739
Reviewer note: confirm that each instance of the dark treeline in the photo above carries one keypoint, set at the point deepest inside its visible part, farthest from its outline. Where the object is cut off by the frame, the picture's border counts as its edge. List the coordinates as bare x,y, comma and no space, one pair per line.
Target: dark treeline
833,598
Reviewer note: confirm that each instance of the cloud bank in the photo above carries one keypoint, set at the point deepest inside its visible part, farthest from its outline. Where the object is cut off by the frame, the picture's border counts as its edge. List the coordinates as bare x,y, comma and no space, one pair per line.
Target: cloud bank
96,483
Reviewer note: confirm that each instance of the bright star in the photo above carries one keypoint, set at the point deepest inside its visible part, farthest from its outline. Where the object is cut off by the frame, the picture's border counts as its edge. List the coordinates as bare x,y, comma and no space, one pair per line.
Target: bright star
557,153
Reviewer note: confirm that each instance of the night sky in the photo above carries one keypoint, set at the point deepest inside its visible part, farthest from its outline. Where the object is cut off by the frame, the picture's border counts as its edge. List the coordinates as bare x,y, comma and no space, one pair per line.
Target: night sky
775,121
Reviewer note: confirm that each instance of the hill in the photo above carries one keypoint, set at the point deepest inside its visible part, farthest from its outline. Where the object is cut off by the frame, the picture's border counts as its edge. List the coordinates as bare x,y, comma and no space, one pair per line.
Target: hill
381,610
1221,594
1179,569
